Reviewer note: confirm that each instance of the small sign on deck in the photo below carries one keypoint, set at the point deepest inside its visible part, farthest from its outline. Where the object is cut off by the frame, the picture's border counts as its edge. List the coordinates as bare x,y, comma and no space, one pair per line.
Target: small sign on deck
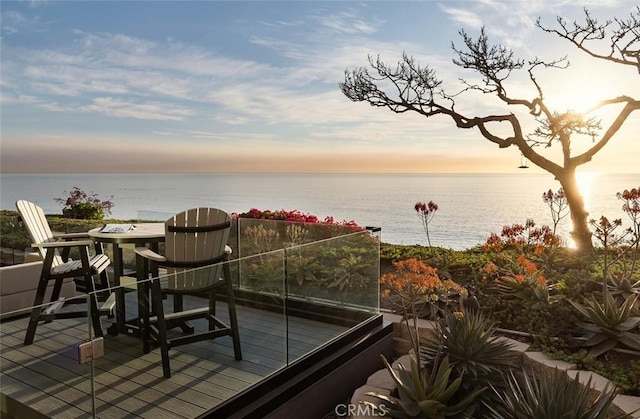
88,351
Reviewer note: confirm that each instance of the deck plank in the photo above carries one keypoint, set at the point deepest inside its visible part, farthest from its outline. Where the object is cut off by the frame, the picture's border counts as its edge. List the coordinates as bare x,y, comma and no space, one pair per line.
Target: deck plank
46,376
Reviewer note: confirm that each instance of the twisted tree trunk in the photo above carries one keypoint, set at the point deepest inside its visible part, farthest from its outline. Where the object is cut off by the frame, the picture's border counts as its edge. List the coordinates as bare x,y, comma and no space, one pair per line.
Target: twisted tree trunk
581,234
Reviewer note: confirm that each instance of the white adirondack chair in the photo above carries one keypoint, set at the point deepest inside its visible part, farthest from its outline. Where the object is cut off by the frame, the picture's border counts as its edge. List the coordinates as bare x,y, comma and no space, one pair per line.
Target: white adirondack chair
54,250
196,255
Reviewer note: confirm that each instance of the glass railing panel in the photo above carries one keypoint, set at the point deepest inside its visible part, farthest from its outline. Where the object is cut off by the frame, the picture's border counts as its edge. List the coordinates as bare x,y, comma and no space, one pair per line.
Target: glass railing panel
154,216
203,373
341,271
45,378
326,287
14,239
257,235
333,285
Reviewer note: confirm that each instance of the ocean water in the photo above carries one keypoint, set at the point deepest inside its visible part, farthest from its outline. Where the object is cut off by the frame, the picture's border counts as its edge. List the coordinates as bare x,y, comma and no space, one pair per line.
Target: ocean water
471,206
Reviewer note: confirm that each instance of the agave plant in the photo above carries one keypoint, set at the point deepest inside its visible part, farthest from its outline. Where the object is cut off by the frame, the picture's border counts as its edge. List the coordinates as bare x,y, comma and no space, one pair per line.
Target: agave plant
622,288
608,324
551,396
427,394
471,346
476,354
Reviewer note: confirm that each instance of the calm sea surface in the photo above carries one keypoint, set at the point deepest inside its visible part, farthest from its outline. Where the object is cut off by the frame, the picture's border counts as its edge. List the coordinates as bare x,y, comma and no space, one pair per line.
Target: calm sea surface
471,206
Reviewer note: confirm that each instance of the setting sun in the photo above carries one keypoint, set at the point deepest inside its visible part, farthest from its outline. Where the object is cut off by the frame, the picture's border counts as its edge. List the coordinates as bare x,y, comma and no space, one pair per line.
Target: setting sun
580,95
584,84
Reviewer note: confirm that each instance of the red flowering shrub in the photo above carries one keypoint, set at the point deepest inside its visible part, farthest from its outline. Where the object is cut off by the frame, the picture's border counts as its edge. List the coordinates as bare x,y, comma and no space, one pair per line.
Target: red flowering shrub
415,283
292,216
522,236
520,281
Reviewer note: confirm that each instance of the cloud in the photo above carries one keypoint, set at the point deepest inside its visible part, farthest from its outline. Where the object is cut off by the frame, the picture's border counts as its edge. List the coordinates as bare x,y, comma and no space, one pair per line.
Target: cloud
464,17
347,22
11,22
119,66
150,110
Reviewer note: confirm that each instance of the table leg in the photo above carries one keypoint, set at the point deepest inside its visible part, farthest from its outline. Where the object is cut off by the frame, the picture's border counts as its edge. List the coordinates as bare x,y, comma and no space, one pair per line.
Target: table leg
142,269
118,270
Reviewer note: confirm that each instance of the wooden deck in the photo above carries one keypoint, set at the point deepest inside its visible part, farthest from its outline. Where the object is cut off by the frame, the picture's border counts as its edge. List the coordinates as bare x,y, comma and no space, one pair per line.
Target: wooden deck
46,378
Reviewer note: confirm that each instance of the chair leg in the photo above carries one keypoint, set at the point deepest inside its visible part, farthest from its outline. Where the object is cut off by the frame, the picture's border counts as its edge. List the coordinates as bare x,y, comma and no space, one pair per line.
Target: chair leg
233,318
95,311
212,309
35,312
57,288
45,275
90,289
146,327
55,294
156,296
142,276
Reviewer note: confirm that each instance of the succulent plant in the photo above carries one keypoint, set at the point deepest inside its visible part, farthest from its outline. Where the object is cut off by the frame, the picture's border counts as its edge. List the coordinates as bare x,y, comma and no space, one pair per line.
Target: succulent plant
470,344
622,288
425,394
476,354
608,324
550,396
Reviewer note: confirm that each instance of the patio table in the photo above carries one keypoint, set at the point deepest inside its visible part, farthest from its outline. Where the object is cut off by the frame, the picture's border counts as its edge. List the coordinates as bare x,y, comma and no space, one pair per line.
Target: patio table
143,234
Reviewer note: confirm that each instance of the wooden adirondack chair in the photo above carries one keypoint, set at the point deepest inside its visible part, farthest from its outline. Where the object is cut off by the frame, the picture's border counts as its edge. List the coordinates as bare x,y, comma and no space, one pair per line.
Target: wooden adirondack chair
54,250
196,255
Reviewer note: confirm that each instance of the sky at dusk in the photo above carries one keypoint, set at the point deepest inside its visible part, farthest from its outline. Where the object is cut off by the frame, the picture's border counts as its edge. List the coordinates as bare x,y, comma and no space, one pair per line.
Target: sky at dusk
221,86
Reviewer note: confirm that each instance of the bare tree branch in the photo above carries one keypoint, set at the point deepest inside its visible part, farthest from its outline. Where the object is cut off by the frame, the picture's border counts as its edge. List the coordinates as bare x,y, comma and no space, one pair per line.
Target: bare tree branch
631,105
624,37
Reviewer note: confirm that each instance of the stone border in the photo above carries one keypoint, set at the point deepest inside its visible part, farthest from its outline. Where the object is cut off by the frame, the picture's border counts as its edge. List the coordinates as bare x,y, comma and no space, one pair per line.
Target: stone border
381,381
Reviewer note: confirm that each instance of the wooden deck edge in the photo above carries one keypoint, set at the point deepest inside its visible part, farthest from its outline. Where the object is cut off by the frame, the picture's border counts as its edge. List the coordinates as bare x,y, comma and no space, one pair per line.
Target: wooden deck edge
307,309
332,371
336,387
11,408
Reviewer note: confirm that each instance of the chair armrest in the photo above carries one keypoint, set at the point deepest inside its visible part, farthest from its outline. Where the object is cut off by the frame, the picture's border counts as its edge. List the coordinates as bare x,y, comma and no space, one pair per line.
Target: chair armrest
75,243
147,253
70,236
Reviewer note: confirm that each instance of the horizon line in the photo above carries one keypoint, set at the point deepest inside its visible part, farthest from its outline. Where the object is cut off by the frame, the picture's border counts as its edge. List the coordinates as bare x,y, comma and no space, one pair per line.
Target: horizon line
540,172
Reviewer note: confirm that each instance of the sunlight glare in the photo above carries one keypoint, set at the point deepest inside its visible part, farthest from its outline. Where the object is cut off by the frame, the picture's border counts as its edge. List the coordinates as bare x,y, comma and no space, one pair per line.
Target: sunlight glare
581,100
580,94
585,182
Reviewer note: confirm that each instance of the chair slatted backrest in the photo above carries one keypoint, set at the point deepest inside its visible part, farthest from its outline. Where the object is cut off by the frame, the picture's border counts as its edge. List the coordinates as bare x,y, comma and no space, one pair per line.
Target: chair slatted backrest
194,239
37,226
